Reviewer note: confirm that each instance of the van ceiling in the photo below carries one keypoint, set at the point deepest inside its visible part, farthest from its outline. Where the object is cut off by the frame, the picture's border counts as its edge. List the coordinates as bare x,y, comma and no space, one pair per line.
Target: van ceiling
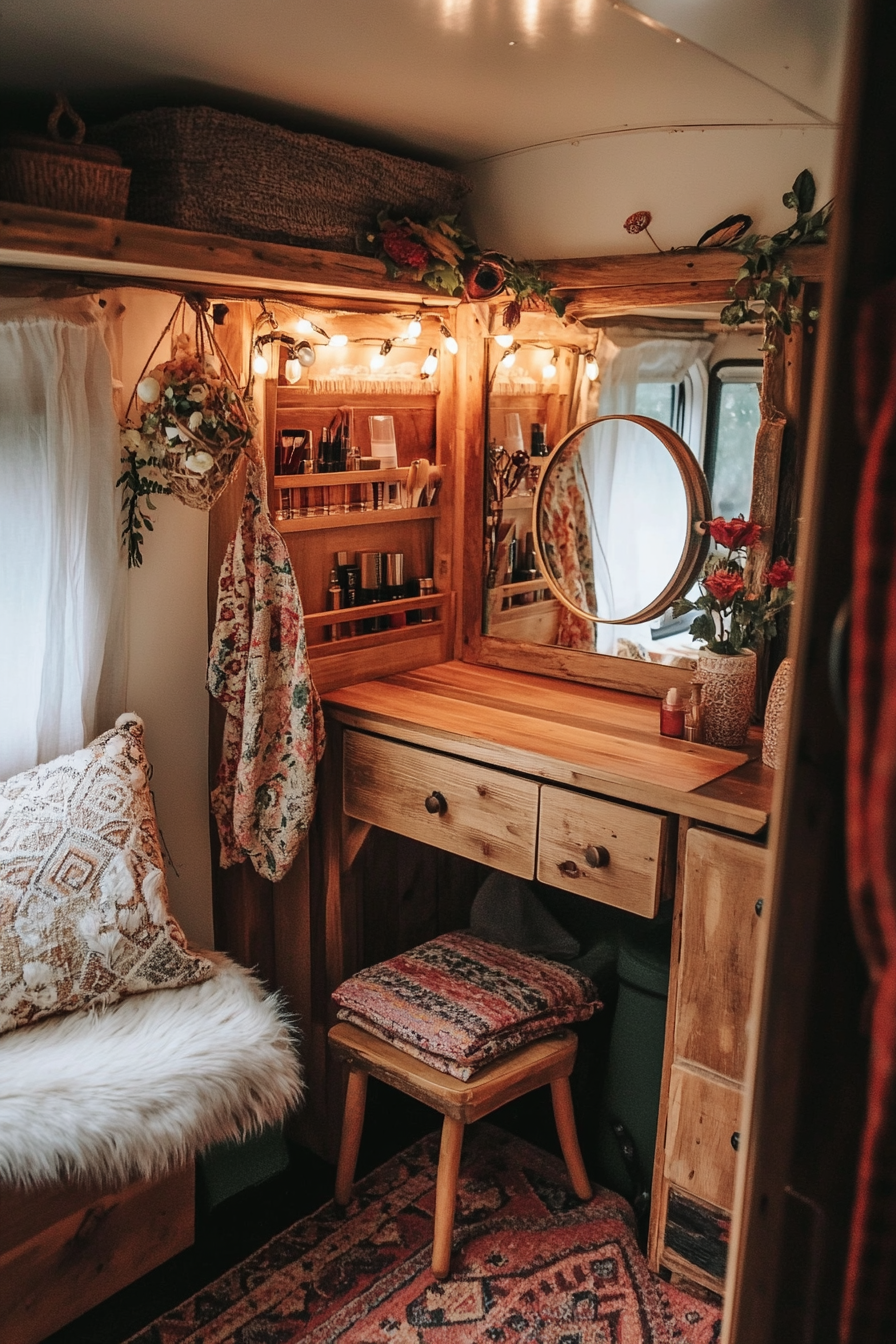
465,79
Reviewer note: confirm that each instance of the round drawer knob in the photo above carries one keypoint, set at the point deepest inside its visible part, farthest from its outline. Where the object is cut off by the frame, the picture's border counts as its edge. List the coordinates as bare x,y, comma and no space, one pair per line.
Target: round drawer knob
436,803
569,868
759,905
597,856
735,1140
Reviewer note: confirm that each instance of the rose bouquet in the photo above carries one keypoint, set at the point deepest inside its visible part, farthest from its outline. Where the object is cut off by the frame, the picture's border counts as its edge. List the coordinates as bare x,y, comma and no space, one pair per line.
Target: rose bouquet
731,617
193,425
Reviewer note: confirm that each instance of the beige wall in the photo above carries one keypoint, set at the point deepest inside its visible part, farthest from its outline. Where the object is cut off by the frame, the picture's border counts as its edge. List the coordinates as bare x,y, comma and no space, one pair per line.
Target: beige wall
168,649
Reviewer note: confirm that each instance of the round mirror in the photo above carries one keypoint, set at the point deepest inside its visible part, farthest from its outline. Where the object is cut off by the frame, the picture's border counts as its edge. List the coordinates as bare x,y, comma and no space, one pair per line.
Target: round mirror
615,519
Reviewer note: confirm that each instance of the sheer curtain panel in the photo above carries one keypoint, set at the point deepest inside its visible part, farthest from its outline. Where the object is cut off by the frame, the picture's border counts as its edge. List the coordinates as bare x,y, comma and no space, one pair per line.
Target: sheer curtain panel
62,655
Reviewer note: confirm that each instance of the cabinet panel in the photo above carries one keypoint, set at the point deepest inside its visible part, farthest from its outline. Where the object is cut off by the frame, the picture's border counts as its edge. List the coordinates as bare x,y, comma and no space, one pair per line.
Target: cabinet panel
704,1117
481,813
601,850
724,878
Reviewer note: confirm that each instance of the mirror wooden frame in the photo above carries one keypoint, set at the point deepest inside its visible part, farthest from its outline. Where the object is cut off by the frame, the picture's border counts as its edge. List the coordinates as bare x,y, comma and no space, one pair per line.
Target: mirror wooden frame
595,287
696,541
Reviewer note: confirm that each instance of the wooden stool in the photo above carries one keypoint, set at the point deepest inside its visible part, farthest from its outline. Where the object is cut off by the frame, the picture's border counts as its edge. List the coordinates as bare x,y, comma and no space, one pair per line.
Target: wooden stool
549,1060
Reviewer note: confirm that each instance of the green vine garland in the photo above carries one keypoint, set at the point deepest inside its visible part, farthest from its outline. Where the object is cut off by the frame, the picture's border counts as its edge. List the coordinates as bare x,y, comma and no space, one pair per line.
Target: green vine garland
766,287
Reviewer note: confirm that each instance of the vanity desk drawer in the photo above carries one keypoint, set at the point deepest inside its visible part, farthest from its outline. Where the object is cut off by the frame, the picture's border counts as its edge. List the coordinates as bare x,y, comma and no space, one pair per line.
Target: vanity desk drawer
703,1135
605,851
484,814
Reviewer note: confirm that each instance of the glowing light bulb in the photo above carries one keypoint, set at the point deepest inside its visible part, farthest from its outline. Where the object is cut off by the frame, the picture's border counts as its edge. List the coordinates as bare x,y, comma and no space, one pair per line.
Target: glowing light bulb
304,326
591,368
430,364
509,359
260,365
377,360
549,371
338,338
293,370
415,326
505,340
451,345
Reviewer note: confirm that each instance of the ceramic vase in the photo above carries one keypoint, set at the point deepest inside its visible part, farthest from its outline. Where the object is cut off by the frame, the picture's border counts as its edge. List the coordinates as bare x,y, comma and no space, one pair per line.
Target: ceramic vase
774,738
729,688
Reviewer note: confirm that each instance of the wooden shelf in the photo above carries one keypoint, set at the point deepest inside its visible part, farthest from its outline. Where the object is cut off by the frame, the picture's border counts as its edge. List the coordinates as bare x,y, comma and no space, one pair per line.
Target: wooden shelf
117,248
430,601
332,521
313,479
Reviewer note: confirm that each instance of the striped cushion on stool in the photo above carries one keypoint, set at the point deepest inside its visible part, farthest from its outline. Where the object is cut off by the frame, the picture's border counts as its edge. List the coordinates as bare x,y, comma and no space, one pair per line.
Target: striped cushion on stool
459,1002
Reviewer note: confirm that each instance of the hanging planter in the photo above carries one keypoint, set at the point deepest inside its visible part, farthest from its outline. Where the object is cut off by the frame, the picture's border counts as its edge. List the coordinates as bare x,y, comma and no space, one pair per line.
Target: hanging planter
193,423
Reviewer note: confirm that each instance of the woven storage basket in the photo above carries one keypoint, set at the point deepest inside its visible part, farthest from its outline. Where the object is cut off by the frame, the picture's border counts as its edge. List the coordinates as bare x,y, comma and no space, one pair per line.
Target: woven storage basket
63,174
215,172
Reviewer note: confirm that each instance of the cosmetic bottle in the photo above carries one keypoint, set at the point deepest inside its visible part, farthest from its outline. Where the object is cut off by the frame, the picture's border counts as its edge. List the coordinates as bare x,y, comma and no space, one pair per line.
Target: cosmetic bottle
352,585
696,713
672,714
371,563
538,446
395,587
335,603
427,587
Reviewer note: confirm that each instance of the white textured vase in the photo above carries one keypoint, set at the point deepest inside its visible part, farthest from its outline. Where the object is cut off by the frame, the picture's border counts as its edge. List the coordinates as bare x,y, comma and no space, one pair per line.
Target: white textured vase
774,738
729,689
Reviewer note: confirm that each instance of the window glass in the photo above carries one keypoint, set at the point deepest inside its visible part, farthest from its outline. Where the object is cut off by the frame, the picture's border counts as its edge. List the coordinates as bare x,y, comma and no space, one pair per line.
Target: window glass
733,424
658,400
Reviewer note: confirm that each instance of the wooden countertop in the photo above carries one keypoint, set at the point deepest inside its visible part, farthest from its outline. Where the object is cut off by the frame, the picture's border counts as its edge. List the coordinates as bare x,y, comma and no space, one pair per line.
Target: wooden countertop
602,740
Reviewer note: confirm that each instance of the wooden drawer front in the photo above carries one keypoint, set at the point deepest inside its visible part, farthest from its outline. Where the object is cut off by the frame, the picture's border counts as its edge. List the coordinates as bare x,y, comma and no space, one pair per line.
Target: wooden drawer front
724,878
488,815
703,1116
575,826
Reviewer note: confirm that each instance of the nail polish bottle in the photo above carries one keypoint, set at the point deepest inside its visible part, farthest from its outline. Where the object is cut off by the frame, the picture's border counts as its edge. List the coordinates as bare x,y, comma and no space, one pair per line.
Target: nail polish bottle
672,714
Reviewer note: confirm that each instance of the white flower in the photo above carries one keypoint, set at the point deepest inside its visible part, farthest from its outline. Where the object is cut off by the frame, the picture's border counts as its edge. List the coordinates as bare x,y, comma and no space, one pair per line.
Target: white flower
195,420
172,432
148,389
200,463
213,365
132,440
117,883
198,392
153,894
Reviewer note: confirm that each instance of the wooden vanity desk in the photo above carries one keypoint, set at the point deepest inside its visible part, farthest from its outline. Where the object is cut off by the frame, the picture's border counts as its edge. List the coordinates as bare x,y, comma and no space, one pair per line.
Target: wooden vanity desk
574,786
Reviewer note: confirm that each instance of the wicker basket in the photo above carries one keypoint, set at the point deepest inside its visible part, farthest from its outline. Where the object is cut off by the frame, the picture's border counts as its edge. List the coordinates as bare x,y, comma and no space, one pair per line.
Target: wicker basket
63,175
215,172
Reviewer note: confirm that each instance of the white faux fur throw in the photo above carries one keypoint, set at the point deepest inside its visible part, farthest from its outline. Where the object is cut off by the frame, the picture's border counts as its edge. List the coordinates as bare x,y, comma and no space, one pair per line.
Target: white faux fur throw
139,1088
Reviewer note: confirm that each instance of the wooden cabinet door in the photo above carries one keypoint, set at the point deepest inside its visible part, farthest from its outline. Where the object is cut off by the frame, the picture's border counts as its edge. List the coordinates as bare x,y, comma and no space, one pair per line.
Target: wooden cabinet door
724,879
702,1135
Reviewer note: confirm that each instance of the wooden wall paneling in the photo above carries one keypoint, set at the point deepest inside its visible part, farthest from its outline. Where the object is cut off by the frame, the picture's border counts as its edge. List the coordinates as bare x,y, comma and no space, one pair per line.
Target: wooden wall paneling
659,1185
469,534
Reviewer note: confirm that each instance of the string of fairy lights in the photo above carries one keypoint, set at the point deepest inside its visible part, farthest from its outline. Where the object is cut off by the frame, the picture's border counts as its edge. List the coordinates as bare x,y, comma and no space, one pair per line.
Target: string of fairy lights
306,336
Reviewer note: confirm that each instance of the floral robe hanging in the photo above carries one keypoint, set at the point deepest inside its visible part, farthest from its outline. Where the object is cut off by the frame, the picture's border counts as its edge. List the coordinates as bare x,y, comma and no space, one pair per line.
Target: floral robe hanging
258,668
566,538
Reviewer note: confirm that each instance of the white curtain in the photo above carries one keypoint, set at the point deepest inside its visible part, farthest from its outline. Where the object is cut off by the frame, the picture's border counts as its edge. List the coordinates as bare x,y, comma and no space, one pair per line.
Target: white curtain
633,479
62,647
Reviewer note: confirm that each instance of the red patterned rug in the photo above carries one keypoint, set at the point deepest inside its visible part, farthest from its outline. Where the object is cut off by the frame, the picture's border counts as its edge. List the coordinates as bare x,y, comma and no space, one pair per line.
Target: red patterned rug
531,1265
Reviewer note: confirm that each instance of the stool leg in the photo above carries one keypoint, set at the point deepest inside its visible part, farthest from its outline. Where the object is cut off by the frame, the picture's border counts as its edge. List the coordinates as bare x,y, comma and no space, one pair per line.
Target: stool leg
565,1120
446,1194
352,1125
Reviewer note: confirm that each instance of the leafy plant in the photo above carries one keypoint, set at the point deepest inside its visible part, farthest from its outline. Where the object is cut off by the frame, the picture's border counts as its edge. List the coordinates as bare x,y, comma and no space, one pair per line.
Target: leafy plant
137,485
766,287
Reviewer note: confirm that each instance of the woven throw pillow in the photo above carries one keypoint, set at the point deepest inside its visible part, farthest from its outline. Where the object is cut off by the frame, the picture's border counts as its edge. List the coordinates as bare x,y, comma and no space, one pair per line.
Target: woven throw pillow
459,1002
83,901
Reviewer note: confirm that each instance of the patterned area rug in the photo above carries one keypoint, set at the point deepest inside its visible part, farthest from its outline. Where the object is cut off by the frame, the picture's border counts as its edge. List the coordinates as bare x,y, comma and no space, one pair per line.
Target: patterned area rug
532,1265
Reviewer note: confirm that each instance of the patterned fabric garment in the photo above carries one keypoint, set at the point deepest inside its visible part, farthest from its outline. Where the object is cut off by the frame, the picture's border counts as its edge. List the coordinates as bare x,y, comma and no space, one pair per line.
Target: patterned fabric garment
567,542
84,915
459,1002
258,668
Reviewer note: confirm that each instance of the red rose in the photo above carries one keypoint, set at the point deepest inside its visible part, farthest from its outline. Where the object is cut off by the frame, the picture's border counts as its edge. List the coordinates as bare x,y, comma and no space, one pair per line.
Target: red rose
404,251
780,574
638,222
733,533
724,585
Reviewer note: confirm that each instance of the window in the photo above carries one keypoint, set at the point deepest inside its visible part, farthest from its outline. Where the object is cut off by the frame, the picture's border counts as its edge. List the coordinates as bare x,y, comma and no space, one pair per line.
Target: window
733,422
679,405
